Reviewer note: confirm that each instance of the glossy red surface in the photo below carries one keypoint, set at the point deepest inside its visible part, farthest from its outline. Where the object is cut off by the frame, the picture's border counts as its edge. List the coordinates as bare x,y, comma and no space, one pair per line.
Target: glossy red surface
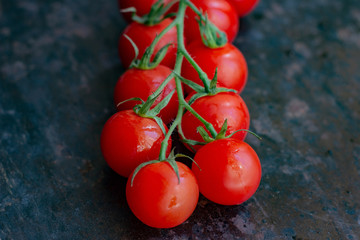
244,7
230,171
215,109
143,36
142,83
158,199
128,140
230,62
220,12
142,7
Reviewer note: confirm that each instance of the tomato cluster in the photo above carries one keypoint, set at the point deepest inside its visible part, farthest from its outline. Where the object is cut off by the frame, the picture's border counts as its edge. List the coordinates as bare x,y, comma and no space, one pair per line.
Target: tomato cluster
211,118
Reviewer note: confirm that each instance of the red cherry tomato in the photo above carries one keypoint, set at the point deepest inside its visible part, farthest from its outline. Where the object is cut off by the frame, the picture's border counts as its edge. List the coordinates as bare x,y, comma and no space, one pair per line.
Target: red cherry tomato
244,7
230,62
143,36
230,171
215,109
142,7
220,12
156,197
142,83
128,140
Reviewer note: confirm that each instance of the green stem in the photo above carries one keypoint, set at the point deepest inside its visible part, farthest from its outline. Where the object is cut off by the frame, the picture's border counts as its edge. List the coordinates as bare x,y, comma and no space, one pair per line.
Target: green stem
164,143
153,44
181,53
202,75
169,5
208,125
162,85
195,9
177,69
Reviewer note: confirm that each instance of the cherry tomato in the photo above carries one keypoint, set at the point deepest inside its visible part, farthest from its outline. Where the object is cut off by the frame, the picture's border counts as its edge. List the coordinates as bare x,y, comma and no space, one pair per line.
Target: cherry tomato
220,12
128,140
143,36
244,7
230,62
156,197
142,83
230,171
215,109
142,7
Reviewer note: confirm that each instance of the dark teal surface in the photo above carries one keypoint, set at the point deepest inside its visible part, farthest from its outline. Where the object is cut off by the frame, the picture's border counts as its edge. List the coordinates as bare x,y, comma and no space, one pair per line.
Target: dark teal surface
58,69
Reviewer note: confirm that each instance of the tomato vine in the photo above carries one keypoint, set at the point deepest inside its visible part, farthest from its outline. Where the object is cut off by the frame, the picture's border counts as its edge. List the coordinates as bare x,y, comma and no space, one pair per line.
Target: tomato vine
216,124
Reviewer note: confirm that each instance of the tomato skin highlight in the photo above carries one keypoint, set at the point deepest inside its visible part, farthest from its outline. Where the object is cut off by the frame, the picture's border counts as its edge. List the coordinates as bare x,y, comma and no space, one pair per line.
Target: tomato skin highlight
158,200
143,36
230,171
229,61
142,83
219,12
128,140
215,109
244,7
142,7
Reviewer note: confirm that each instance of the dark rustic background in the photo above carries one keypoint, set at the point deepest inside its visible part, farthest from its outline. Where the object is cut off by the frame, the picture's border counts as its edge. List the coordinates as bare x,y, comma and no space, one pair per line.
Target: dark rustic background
58,68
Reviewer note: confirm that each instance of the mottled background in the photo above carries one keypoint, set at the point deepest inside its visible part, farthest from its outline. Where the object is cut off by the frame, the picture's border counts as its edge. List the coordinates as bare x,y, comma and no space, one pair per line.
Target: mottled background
58,68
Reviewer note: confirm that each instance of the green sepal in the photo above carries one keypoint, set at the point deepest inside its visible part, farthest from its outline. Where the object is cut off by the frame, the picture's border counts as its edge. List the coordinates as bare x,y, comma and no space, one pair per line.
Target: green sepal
156,110
195,97
193,142
136,108
196,87
200,89
159,56
211,36
213,82
130,99
131,10
218,90
136,50
161,53
145,63
222,132
160,123
186,156
138,168
155,16
245,130
128,10
175,167
172,154
170,15
204,134
147,105
157,10
214,89
171,160
144,110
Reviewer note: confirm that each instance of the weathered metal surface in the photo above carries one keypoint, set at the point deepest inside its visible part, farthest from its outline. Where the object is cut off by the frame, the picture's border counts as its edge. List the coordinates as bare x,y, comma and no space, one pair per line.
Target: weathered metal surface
59,66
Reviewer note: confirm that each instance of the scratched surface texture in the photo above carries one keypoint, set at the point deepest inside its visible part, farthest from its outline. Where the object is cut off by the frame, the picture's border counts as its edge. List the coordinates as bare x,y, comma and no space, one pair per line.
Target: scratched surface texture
58,68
